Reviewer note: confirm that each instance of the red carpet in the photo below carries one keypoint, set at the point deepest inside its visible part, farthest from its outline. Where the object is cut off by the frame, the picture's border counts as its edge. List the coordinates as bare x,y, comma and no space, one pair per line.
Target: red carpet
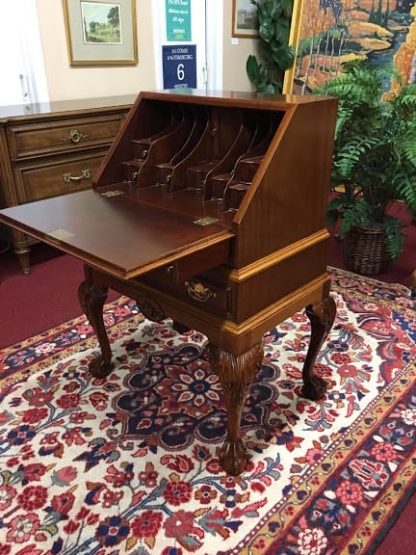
45,298
48,296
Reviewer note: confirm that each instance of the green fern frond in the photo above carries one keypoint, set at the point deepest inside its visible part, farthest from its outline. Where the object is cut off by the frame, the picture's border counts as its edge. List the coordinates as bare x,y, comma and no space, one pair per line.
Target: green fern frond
335,209
355,215
406,189
350,154
344,114
408,142
394,237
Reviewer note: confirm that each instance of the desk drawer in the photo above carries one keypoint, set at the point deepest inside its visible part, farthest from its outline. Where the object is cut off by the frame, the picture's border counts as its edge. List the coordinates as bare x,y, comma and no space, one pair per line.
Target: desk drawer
57,177
198,290
65,135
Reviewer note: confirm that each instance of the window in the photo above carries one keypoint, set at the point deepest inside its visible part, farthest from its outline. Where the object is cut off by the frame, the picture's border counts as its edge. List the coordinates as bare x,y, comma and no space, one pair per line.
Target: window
23,78
207,36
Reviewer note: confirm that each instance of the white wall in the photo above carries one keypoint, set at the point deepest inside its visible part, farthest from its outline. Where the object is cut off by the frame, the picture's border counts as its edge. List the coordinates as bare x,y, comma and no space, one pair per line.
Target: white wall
66,82
235,55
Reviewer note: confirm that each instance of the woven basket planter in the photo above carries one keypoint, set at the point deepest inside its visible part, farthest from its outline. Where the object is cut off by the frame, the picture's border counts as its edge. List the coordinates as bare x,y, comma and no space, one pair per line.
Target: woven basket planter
365,251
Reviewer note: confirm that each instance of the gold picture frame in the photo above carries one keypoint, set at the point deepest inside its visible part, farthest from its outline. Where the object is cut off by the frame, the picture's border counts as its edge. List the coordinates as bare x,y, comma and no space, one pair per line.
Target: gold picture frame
101,33
244,21
294,37
326,38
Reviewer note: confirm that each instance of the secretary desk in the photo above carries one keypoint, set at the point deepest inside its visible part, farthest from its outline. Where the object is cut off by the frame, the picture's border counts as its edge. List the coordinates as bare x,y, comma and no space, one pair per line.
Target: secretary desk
208,208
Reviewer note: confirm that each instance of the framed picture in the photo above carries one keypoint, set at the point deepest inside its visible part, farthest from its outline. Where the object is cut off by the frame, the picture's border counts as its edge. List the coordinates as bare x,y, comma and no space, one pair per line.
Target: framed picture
244,19
326,35
101,33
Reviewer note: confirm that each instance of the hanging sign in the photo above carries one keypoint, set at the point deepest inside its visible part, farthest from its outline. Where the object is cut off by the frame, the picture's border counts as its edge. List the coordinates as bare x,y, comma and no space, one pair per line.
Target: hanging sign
179,66
178,20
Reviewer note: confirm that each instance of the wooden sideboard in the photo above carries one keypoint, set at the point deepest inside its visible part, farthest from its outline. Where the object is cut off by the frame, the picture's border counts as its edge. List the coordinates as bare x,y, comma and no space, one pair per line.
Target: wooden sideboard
53,149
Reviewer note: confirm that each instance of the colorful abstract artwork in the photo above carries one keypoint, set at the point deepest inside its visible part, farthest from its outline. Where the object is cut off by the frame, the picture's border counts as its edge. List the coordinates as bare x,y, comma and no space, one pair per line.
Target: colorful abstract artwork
327,33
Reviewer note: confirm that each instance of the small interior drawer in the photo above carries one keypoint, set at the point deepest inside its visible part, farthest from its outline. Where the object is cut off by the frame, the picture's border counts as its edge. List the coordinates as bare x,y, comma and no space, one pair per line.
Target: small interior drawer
65,135
57,177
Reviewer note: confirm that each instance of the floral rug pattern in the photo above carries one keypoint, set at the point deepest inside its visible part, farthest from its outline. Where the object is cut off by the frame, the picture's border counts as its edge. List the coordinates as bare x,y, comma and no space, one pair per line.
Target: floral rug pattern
129,464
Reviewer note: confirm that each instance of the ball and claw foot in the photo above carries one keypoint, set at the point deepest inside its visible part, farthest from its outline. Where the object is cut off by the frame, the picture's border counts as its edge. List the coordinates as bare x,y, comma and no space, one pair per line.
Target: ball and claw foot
321,317
100,368
314,389
233,457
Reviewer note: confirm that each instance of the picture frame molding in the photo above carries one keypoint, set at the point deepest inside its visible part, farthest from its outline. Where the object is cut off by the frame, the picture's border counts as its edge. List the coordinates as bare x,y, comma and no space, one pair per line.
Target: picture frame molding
250,34
295,28
91,62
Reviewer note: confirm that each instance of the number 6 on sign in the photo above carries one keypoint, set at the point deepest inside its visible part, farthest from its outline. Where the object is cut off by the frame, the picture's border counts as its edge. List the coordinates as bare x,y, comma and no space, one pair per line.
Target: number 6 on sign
180,72
179,66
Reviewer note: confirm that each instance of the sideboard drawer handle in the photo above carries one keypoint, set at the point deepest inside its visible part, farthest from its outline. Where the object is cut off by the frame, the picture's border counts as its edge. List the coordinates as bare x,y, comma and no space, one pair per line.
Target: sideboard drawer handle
85,174
199,292
75,136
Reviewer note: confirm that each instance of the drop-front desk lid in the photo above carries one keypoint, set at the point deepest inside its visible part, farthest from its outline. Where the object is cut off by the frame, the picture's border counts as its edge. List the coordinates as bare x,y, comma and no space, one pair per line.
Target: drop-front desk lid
119,235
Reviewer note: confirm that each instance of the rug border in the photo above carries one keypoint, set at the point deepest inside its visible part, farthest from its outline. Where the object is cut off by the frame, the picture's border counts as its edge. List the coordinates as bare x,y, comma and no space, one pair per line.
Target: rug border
390,284
245,546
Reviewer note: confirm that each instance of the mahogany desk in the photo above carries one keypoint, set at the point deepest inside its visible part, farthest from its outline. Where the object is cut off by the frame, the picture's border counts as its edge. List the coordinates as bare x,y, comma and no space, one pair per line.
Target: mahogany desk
210,209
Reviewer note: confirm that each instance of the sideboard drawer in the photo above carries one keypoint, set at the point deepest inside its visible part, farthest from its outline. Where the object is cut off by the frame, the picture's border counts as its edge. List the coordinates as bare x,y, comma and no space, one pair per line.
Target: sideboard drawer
58,176
65,135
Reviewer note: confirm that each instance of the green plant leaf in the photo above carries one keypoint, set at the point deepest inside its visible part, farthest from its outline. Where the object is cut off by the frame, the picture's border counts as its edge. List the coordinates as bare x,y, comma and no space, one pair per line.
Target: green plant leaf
274,19
266,30
252,68
284,56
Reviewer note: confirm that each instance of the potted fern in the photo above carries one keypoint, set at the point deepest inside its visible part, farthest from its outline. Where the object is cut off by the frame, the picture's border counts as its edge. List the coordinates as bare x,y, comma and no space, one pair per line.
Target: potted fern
375,163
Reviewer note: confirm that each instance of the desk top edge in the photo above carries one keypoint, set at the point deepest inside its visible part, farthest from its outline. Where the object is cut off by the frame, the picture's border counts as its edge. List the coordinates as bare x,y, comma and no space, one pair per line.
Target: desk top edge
20,112
220,96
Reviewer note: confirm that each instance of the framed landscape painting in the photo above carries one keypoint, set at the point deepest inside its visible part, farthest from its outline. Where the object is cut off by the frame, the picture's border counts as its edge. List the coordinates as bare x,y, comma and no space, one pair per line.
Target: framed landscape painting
101,33
326,33
244,19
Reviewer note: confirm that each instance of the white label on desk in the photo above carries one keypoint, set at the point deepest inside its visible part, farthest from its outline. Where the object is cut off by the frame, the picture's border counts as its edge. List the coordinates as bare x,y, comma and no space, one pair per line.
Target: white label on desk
60,234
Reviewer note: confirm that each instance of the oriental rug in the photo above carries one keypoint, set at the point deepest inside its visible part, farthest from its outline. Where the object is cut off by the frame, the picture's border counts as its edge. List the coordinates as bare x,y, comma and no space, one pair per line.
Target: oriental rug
129,464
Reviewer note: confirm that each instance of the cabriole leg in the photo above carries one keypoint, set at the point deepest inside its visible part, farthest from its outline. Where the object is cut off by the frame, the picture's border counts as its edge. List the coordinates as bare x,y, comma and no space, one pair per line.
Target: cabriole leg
321,316
92,299
236,374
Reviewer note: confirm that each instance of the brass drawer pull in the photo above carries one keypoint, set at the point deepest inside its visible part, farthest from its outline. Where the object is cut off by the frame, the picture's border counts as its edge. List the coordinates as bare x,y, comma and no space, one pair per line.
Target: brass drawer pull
199,292
75,137
85,174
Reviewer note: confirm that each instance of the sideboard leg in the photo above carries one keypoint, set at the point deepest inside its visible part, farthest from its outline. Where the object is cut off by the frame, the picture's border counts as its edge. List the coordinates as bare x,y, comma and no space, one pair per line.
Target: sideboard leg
23,258
321,316
21,249
236,374
92,299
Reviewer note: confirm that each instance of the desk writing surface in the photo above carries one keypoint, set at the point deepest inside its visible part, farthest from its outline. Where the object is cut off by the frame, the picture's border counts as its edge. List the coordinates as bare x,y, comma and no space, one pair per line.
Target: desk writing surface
123,236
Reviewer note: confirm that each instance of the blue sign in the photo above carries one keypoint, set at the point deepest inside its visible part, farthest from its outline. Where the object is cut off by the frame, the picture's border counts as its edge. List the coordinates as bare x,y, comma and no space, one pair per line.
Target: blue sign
179,66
